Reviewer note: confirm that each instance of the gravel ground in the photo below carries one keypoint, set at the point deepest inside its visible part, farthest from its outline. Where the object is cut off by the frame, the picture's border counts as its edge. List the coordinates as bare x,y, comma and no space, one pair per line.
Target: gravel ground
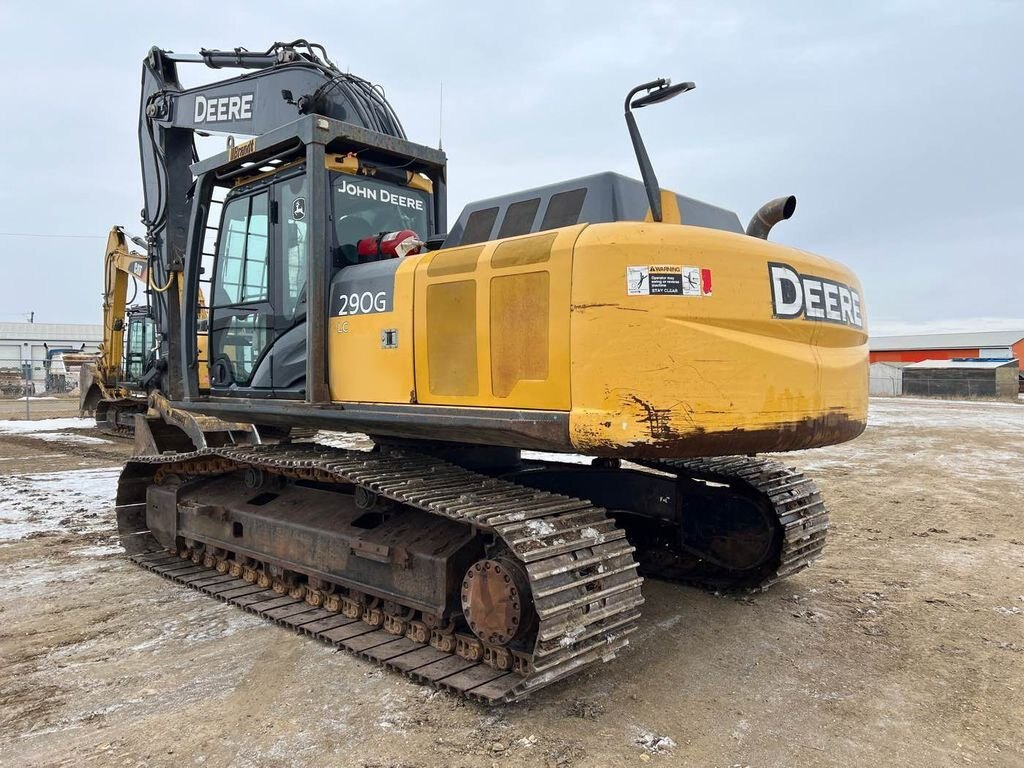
904,645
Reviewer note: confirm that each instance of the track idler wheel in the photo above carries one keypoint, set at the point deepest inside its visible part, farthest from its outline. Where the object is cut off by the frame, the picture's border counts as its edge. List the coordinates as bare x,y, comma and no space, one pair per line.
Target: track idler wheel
496,601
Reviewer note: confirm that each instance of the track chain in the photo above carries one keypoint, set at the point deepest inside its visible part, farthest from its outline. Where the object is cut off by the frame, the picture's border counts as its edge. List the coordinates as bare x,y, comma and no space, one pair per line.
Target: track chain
581,570
795,500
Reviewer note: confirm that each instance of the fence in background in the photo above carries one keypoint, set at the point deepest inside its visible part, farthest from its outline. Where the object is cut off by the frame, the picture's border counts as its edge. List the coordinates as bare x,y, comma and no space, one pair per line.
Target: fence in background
38,389
963,387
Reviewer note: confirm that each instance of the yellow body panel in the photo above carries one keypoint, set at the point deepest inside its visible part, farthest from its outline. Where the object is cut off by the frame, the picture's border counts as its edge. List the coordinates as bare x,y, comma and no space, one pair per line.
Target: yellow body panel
705,374
360,368
547,322
492,323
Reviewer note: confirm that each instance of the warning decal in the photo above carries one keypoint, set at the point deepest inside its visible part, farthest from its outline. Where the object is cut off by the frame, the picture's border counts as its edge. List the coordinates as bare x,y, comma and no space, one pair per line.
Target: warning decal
668,280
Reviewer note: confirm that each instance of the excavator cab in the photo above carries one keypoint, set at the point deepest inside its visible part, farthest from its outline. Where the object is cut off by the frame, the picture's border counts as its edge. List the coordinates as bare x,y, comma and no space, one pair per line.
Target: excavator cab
139,343
257,316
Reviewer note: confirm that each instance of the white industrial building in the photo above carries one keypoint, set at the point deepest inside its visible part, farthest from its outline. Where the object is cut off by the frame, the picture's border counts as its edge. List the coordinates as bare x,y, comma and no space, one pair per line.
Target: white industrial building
24,347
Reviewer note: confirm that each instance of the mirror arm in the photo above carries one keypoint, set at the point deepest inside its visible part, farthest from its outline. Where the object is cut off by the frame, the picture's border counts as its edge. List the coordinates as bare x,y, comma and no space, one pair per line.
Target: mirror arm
646,169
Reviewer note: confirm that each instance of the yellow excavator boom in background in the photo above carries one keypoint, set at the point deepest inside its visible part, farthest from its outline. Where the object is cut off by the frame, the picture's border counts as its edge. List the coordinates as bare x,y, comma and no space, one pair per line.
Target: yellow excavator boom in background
114,385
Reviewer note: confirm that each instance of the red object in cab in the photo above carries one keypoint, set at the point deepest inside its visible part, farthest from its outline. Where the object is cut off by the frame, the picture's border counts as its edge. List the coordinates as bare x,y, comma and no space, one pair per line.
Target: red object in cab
389,245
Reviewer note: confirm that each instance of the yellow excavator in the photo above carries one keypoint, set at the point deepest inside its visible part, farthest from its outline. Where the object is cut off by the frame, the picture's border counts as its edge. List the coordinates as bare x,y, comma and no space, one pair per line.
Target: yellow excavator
111,386
115,384
565,391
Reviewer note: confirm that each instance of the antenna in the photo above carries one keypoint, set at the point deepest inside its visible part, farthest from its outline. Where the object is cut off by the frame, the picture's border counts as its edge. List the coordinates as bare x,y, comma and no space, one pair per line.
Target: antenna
440,117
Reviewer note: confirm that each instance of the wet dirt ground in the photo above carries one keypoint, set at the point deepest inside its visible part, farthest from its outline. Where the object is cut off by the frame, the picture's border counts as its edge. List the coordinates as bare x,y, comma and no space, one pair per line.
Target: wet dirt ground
903,645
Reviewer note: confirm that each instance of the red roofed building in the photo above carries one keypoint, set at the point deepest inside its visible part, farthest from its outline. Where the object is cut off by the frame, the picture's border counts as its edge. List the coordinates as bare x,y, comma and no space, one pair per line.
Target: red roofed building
947,346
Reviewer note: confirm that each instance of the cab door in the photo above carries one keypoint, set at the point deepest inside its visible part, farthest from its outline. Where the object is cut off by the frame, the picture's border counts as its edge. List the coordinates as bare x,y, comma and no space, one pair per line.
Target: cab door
257,341
138,348
241,308
290,247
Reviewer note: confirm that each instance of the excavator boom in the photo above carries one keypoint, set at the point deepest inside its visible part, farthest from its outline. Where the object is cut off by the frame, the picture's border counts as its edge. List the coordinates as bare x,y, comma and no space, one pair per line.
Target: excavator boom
104,386
120,266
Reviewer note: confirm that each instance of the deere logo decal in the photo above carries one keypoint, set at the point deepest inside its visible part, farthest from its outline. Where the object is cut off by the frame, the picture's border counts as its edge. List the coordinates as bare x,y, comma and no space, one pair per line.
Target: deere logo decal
223,108
814,298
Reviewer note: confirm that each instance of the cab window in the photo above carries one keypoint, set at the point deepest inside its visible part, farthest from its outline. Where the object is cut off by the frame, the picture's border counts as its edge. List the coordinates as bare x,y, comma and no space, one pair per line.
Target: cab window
365,207
292,243
241,323
242,274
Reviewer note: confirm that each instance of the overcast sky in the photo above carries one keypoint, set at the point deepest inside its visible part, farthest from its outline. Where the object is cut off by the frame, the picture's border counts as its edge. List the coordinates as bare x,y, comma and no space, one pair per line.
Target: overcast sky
899,129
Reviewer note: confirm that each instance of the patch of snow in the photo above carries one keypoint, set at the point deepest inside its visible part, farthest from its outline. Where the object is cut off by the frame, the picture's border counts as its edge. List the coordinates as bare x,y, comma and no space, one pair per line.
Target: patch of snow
35,457
590,533
104,550
540,527
70,437
652,742
76,501
8,427
30,574
353,441
946,414
207,620
571,636
668,623
564,458
360,442
36,397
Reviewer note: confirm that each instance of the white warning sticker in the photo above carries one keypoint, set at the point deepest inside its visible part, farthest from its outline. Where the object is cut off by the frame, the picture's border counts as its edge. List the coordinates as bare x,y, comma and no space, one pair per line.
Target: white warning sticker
668,280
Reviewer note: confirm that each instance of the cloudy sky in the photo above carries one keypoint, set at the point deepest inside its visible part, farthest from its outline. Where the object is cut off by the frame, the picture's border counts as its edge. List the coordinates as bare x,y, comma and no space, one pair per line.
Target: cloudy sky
898,125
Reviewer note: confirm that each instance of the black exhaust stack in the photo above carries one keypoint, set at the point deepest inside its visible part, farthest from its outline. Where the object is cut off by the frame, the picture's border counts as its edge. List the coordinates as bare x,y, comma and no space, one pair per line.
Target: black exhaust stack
770,214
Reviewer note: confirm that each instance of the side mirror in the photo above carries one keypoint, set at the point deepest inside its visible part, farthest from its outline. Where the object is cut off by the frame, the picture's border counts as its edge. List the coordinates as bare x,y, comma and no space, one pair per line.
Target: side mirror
664,93
657,91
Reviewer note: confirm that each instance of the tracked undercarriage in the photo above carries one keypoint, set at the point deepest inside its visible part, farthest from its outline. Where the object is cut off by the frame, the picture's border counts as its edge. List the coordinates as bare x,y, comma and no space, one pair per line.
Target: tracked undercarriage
117,417
493,581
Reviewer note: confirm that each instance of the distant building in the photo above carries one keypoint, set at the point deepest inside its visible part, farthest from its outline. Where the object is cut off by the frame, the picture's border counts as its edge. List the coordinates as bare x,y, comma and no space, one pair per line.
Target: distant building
26,347
962,378
1002,345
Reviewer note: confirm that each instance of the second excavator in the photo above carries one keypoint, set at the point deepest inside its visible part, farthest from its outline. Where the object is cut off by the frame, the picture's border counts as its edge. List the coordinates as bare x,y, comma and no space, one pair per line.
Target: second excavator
112,385
118,385
600,316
